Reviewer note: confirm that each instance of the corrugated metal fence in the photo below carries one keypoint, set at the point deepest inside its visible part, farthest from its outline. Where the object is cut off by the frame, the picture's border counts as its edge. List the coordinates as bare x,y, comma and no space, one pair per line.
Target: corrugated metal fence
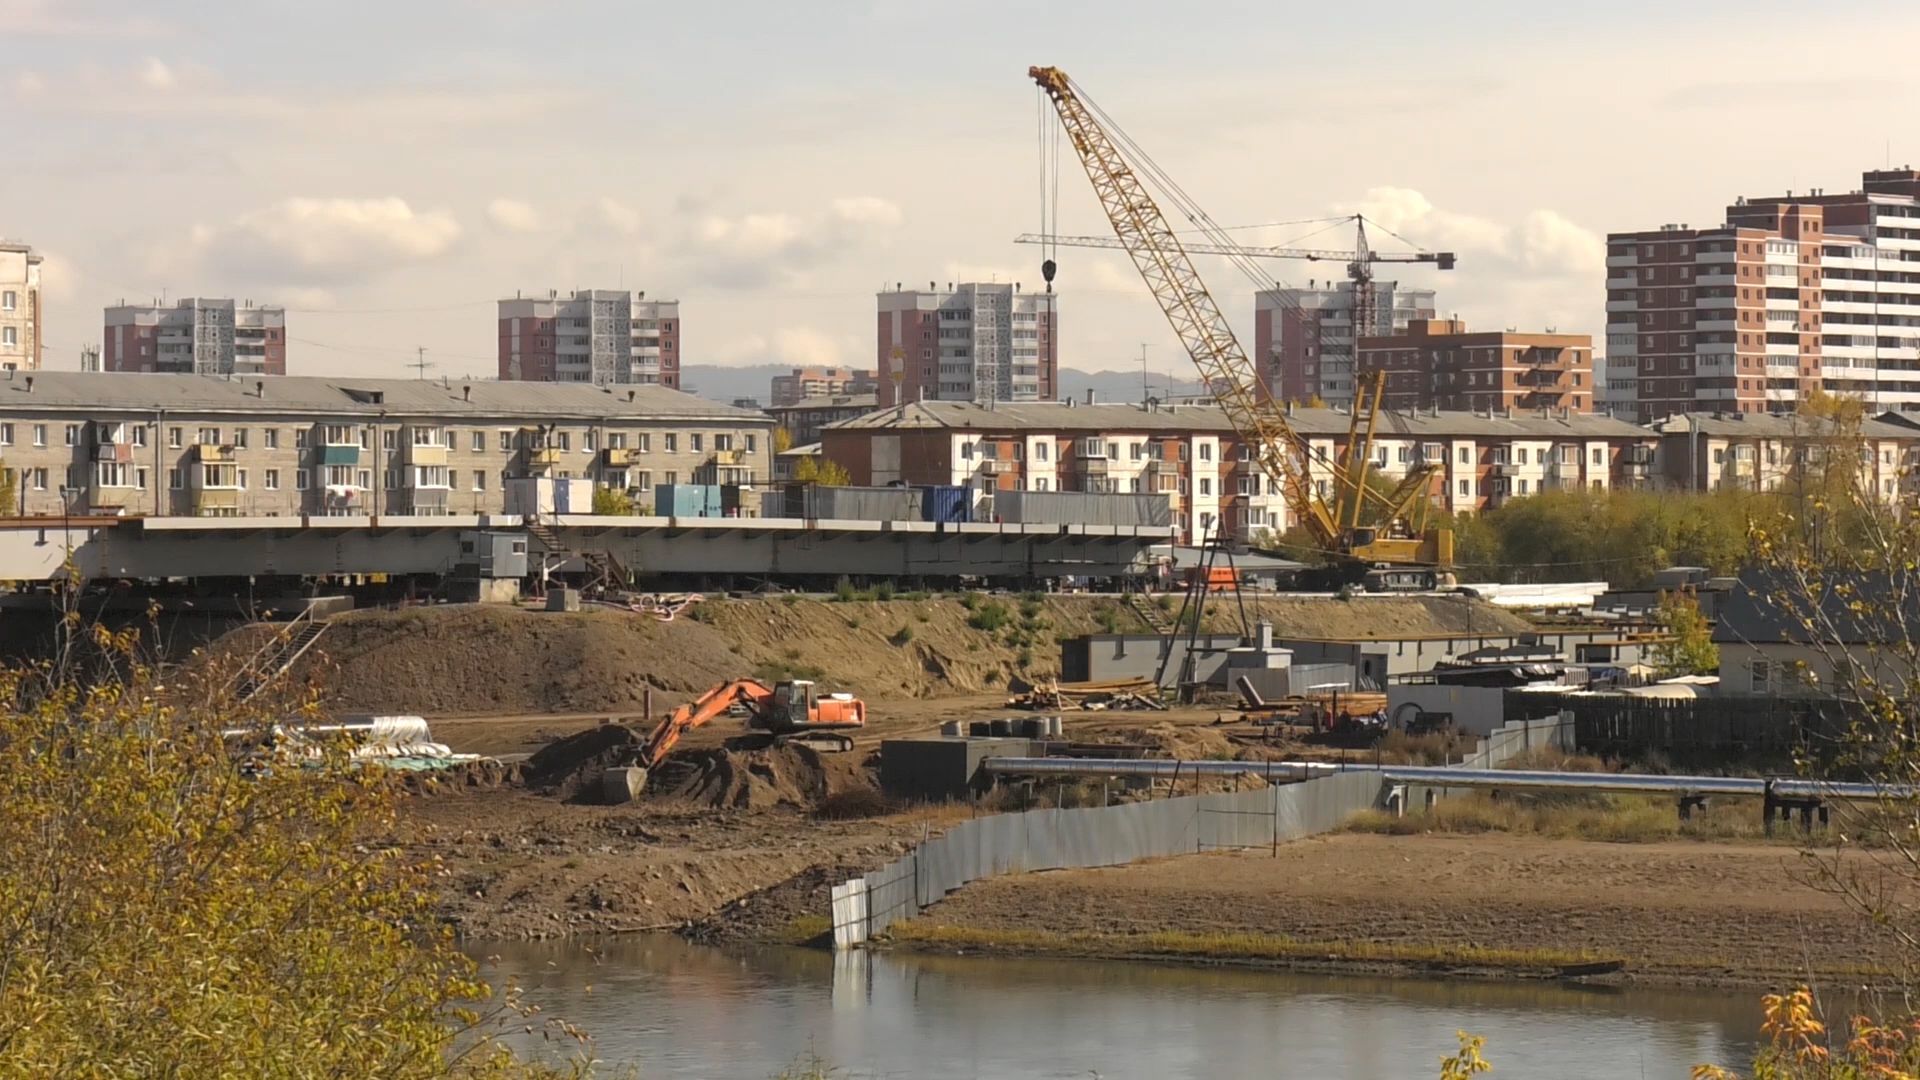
1116,835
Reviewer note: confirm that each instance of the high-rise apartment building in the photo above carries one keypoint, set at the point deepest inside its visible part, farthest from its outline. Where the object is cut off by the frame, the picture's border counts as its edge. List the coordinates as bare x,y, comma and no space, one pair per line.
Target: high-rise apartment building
21,315
1304,339
821,382
1793,292
196,336
1440,364
973,342
600,336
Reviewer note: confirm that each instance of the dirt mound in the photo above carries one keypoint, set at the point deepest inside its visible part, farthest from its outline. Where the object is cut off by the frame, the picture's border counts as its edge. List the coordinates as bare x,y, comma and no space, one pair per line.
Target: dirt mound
570,768
760,779
794,912
1185,741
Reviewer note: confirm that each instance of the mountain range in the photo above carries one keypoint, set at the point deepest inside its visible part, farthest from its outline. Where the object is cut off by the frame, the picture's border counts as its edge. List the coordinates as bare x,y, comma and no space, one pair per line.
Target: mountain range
725,384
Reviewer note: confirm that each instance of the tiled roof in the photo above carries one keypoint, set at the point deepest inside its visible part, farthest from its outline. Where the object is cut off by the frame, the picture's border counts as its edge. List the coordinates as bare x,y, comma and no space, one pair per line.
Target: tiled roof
1054,416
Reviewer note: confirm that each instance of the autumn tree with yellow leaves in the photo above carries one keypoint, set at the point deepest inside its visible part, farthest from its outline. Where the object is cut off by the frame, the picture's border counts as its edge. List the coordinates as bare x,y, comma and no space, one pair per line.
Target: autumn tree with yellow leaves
172,907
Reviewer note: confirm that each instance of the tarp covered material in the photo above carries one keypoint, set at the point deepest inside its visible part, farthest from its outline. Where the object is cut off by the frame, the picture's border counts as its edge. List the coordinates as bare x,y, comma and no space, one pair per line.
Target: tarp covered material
1082,508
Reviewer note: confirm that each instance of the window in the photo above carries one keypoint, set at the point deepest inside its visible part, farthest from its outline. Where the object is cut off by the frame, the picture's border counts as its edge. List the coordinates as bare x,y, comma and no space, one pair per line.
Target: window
176,479
300,479
753,443
242,479
506,441
1760,672
1206,451
271,479
6,434
117,474
1247,484
431,476
1041,449
643,442
339,435
365,439
240,438
270,438
72,434
562,440
339,476
365,479
1183,485
670,442
479,440
389,439
40,479
426,436
300,438
1466,458
1133,485
9,300
616,440
1523,485
644,481
1520,456
209,436
1464,489
9,335
479,479
140,435
39,434
140,479
1206,485
673,477
393,478
1599,456
722,443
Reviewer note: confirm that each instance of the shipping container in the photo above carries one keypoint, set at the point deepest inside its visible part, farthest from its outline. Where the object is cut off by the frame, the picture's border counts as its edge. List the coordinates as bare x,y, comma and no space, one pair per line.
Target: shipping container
1082,508
945,503
536,495
687,500
818,502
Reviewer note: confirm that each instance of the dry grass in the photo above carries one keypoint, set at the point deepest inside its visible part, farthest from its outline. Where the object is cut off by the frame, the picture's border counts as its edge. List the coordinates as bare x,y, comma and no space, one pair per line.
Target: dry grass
856,803
1554,759
1183,945
1627,819
1400,748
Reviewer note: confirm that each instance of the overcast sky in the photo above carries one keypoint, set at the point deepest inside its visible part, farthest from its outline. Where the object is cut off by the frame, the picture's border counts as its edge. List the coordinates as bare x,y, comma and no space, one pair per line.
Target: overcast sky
389,170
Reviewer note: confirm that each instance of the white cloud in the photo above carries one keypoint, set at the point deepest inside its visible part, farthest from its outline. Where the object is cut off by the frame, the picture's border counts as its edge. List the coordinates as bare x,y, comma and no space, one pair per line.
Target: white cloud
801,346
616,215
62,18
29,84
1543,242
776,247
156,75
311,241
512,215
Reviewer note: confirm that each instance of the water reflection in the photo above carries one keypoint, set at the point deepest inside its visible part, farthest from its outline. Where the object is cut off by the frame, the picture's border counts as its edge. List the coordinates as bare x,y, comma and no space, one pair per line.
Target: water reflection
682,1010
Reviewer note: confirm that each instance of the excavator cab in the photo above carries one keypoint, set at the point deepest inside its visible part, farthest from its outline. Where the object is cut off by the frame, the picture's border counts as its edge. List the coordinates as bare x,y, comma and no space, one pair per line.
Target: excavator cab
791,708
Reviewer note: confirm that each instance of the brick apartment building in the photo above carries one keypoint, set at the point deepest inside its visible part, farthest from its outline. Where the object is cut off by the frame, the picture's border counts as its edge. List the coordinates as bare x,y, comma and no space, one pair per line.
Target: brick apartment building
819,382
1752,451
106,443
196,336
1793,292
1439,364
1304,339
972,342
599,336
21,312
1192,455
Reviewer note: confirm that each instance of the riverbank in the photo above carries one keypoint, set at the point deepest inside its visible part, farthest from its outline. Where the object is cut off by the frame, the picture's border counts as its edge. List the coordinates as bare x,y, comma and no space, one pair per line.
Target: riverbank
1681,913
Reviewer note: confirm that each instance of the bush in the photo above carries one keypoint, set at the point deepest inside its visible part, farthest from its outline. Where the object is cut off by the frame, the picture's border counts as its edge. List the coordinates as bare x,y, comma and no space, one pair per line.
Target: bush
989,616
853,622
774,671
902,636
843,591
970,600
1108,620
883,590
1164,602
789,599
1025,658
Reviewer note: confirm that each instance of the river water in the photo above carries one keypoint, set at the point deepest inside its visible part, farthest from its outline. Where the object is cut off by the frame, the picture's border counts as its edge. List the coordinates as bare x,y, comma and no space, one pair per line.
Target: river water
681,1010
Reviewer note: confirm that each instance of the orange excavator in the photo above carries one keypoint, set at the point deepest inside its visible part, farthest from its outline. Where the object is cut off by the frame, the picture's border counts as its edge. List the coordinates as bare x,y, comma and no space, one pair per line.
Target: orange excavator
792,710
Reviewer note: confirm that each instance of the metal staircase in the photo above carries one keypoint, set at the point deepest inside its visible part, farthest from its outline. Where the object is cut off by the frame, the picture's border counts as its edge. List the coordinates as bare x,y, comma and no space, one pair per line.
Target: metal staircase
273,659
1156,620
604,570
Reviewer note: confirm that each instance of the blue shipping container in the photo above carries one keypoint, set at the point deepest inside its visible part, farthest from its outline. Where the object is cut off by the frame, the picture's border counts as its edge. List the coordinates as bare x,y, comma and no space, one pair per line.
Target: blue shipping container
685,500
946,504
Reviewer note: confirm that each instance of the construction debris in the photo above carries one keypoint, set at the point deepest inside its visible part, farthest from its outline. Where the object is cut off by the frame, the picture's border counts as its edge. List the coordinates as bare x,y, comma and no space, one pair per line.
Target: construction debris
1116,694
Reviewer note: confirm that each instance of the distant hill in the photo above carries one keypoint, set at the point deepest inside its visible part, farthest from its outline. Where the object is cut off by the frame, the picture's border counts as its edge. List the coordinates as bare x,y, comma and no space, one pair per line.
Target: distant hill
724,384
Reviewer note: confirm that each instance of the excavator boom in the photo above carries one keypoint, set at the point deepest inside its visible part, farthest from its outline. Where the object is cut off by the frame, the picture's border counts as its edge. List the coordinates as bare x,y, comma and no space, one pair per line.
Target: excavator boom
714,702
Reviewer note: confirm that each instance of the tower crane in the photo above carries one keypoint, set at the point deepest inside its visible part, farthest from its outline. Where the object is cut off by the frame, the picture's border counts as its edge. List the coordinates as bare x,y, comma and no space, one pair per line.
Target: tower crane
1391,548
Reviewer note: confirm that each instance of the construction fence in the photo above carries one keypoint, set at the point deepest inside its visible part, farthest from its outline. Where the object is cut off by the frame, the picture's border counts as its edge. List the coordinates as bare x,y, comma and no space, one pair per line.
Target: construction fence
1101,836
1117,835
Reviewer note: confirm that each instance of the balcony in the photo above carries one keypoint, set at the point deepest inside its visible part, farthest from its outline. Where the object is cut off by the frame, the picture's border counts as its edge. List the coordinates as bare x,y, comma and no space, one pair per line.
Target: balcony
543,458
213,452
1503,468
1093,466
427,501
729,459
113,498
617,457
207,500
336,454
426,454
998,466
113,452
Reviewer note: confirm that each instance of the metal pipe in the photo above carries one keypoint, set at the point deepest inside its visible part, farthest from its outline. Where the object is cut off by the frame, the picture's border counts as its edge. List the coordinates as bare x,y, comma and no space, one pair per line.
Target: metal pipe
1449,776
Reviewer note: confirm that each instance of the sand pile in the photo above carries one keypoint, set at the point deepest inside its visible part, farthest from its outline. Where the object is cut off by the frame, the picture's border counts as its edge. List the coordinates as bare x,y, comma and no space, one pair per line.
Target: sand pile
571,768
1177,741
793,776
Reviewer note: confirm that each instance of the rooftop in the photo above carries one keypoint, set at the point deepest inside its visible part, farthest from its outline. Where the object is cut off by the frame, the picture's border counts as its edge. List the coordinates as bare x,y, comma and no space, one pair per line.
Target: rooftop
123,391
1060,416
831,401
1776,426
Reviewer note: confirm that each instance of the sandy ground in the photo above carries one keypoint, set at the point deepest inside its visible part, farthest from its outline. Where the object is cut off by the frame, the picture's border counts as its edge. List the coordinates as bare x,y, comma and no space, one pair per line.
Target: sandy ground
1675,912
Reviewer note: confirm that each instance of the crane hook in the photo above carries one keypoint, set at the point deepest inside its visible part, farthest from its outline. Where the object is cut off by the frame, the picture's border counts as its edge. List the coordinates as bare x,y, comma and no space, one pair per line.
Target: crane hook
1047,268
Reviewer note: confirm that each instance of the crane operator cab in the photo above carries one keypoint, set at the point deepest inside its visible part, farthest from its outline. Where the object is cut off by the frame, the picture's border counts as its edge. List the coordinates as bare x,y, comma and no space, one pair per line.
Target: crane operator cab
792,706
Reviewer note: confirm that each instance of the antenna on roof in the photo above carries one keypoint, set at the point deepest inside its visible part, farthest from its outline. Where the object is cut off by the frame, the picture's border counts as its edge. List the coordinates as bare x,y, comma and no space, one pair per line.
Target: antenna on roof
421,363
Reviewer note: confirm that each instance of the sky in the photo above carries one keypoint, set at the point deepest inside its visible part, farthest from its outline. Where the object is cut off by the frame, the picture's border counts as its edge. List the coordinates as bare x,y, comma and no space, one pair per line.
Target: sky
388,171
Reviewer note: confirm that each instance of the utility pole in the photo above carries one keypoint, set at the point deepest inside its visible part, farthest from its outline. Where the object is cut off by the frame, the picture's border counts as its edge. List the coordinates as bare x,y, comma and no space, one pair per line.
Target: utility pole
1145,391
420,364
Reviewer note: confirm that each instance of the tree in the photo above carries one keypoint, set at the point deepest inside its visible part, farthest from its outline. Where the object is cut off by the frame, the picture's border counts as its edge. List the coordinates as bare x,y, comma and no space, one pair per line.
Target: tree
819,470
165,912
612,501
782,440
1688,649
